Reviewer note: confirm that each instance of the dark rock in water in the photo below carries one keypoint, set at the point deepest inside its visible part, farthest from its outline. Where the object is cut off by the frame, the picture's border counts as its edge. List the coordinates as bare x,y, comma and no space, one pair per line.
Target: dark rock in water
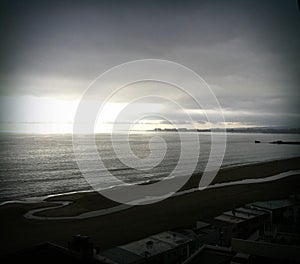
277,142
285,142
256,141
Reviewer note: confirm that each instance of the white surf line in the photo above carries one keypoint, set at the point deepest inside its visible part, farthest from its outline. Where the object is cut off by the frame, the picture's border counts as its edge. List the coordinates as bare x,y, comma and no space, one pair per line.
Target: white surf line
258,180
246,181
30,214
105,211
232,183
41,199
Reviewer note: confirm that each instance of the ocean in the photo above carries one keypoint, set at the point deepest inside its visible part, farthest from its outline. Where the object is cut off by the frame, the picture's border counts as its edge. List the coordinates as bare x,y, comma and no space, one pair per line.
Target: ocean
33,165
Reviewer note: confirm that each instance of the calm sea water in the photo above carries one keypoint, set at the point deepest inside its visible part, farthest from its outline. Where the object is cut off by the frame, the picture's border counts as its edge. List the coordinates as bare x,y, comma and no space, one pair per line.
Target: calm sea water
38,165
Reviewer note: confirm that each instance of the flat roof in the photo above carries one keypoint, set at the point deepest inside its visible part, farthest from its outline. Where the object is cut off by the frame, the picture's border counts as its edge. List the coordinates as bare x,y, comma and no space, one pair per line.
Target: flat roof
172,238
274,204
188,233
238,214
266,249
229,219
120,255
200,224
149,246
250,211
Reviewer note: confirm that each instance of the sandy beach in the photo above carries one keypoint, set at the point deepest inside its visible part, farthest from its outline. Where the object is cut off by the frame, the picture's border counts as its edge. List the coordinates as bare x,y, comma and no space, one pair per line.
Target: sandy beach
140,221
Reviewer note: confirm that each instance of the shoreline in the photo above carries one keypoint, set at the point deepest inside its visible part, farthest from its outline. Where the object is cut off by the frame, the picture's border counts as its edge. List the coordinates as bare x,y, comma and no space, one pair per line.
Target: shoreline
32,213
137,222
38,199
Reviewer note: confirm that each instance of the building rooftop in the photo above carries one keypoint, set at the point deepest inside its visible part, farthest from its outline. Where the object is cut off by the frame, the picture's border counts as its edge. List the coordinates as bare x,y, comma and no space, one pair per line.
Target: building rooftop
172,238
200,225
120,255
147,247
273,204
267,250
187,233
239,214
250,210
229,219
150,246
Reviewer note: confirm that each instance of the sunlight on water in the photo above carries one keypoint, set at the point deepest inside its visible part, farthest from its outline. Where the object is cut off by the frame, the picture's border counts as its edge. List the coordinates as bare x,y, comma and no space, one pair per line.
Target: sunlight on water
37,165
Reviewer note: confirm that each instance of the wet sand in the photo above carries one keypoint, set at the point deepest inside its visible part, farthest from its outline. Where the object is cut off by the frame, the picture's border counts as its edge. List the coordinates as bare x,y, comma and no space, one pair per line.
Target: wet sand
140,221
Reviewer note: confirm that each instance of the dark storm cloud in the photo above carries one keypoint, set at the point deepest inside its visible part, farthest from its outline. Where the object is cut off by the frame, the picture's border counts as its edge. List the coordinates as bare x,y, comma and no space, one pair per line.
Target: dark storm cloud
246,50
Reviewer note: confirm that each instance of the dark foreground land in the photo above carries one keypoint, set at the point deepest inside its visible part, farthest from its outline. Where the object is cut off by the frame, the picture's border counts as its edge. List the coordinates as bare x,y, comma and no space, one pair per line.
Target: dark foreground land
137,222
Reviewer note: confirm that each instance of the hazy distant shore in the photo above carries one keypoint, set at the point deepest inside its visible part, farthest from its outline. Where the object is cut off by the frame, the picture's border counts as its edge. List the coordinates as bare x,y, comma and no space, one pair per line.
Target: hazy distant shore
269,130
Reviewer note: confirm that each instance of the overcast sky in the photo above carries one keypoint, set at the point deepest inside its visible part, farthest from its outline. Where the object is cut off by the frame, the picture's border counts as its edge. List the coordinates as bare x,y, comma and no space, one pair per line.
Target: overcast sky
247,51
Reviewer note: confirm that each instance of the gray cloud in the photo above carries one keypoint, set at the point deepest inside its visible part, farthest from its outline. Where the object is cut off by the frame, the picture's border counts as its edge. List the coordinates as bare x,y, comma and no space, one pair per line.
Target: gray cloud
246,50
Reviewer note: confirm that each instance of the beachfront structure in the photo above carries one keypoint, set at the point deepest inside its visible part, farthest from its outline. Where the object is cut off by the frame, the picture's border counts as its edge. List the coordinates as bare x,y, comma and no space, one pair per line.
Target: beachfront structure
266,252
260,232
165,247
280,210
239,222
205,242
